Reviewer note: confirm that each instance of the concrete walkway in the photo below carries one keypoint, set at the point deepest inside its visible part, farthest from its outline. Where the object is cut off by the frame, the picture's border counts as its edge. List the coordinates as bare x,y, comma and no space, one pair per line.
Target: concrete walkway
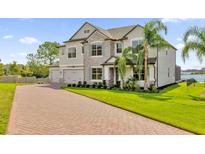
45,109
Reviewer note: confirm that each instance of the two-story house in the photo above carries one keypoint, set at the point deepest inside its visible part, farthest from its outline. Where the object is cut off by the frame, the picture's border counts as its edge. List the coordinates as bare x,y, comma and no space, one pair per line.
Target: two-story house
89,55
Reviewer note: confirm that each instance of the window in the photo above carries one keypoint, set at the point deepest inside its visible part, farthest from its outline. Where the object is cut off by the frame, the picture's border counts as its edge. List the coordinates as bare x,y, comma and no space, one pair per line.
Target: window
119,47
86,31
136,43
82,50
96,50
72,52
136,75
96,73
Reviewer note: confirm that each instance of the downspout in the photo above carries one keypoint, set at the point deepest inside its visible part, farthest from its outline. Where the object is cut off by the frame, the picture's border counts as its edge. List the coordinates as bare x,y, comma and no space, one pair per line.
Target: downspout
83,62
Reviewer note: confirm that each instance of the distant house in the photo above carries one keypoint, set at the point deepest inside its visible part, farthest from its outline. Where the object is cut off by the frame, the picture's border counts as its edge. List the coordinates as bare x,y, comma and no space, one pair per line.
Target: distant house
89,55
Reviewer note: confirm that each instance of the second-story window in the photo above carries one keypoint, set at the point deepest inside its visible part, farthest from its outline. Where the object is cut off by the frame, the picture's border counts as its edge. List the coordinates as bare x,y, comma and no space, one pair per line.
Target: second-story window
97,50
118,47
72,52
135,44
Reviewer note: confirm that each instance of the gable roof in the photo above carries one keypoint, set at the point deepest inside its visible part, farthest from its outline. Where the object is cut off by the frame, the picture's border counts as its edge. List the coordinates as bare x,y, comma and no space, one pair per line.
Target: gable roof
112,33
120,32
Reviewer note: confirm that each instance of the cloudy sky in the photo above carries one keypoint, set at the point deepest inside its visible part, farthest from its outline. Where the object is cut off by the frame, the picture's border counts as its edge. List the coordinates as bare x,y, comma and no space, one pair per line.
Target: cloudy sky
18,37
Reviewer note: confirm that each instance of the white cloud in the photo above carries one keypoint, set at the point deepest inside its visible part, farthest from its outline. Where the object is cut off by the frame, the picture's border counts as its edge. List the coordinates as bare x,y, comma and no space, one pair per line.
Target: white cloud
179,39
180,46
23,54
12,55
8,36
173,20
29,40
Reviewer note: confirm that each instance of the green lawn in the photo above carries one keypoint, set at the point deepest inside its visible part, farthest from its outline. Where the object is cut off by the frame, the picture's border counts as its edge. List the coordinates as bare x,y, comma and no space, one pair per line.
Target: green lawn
6,98
178,105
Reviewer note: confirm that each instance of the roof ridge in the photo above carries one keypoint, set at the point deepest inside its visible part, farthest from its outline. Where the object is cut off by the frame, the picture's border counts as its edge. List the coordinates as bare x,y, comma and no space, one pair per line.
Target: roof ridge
121,27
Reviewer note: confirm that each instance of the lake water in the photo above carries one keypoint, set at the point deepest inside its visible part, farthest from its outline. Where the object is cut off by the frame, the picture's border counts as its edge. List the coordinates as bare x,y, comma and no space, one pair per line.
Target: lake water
199,78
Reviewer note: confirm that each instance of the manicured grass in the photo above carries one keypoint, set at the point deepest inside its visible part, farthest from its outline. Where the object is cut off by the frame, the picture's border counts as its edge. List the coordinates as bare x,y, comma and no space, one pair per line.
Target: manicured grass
6,98
177,105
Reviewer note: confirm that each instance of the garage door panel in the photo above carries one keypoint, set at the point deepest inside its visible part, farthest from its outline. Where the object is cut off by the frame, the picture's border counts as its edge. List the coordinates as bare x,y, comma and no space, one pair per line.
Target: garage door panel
55,76
73,76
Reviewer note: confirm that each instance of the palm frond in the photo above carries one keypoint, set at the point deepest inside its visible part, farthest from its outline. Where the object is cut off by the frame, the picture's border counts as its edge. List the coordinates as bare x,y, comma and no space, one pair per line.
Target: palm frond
193,31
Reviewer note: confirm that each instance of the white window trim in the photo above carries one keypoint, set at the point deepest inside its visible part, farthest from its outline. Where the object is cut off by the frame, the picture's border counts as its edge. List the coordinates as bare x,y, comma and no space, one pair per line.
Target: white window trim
95,43
135,39
95,80
116,47
76,51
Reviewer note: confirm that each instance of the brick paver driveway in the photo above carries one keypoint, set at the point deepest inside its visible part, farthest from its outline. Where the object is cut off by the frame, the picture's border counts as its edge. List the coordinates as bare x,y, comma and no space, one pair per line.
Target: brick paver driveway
44,109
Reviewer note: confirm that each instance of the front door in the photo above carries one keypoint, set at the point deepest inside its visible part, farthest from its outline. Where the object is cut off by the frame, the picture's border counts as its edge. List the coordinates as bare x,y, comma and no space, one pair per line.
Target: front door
111,76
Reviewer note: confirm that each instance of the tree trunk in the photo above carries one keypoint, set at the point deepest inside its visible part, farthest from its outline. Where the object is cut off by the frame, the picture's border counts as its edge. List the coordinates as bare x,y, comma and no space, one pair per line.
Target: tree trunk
145,67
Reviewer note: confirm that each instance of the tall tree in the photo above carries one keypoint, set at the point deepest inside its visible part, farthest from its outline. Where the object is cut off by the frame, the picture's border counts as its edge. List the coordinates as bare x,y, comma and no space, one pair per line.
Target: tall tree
152,39
37,68
121,63
48,52
194,39
138,59
14,68
1,68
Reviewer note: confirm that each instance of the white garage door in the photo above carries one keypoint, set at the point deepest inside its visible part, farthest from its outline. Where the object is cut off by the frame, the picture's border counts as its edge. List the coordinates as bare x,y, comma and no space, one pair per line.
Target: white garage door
73,76
55,76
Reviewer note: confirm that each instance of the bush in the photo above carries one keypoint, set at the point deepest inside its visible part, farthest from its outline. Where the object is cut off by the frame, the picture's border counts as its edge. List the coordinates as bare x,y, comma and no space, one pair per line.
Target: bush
99,85
69,85
153,88
87,86
190,81
84,84
94,85
131,83
73,85
79,84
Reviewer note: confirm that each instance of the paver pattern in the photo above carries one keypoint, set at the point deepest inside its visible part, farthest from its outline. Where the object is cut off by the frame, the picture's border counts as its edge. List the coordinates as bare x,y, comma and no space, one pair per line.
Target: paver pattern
46,109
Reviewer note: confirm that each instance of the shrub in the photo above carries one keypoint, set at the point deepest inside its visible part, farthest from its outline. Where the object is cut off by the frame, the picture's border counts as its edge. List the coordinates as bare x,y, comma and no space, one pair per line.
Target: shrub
153,88
131,83
99,85
190,81
79,84
69,85
94,85
137,88
84,84
87,86
73,85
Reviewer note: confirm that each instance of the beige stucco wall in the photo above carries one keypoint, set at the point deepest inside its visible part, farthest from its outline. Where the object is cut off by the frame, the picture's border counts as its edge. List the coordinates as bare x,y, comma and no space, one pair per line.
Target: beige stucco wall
64,60
166,62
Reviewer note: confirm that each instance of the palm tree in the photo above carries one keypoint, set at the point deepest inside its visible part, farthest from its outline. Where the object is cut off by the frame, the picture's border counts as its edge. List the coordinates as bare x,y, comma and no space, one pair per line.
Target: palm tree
138,59
152,39
121,63
194,39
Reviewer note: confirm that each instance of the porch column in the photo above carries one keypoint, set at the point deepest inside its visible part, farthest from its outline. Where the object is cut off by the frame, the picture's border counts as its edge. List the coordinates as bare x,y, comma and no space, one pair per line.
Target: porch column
114,69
